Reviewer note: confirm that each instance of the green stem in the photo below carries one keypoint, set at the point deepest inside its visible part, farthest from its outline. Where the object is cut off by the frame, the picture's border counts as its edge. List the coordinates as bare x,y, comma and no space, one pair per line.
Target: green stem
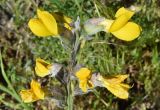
12,92
4,89
70,96
70,86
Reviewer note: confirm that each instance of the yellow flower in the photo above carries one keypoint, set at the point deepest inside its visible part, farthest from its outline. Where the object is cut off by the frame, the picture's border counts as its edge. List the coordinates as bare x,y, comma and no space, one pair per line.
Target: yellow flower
121,27
115,86
42,67
33,94
45,25
84,75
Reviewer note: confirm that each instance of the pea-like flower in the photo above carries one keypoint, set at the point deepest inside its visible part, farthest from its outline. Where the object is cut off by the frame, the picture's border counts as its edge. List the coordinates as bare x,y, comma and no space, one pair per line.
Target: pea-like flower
33,94
42,67
121,27
84,76
44,25
115,86
47,24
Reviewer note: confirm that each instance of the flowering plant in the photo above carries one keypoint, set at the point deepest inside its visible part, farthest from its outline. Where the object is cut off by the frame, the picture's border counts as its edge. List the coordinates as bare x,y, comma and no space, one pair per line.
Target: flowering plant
78,79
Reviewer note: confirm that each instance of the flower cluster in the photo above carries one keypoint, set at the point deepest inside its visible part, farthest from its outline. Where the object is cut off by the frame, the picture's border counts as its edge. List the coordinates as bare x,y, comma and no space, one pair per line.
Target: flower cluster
42,69
53,24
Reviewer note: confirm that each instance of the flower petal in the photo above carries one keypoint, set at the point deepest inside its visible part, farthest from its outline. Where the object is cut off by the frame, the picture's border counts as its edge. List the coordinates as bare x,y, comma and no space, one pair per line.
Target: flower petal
48,20
115,79
42,67
114,85
67,26
67,19
83,73
38,28
28,96
122,11
119,23
117,90
83,85
122,17
129,32
125,86
36,88
121,78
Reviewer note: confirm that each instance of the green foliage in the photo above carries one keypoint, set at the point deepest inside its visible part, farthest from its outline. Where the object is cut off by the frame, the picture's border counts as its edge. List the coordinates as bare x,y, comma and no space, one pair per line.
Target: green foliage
104,53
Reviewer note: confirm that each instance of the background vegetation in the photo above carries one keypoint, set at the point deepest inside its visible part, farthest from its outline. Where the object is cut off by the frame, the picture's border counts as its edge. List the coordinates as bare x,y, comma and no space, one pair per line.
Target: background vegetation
106,54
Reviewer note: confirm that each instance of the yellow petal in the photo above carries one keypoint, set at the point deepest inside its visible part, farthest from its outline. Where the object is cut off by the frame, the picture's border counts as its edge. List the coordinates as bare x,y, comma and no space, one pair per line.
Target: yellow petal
28,96
122,11
67,19
48,20
42,67
114,85
117,90
38,28
122,17
129,32
115,79
83,85
36,88
83,73
121,78
67,26
119,23
125,86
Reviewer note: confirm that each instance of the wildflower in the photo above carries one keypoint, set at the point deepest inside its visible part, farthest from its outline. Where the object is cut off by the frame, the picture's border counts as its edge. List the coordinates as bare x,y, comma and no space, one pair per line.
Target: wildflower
45,25
121,27
42,67
84,75
33,94
115,86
